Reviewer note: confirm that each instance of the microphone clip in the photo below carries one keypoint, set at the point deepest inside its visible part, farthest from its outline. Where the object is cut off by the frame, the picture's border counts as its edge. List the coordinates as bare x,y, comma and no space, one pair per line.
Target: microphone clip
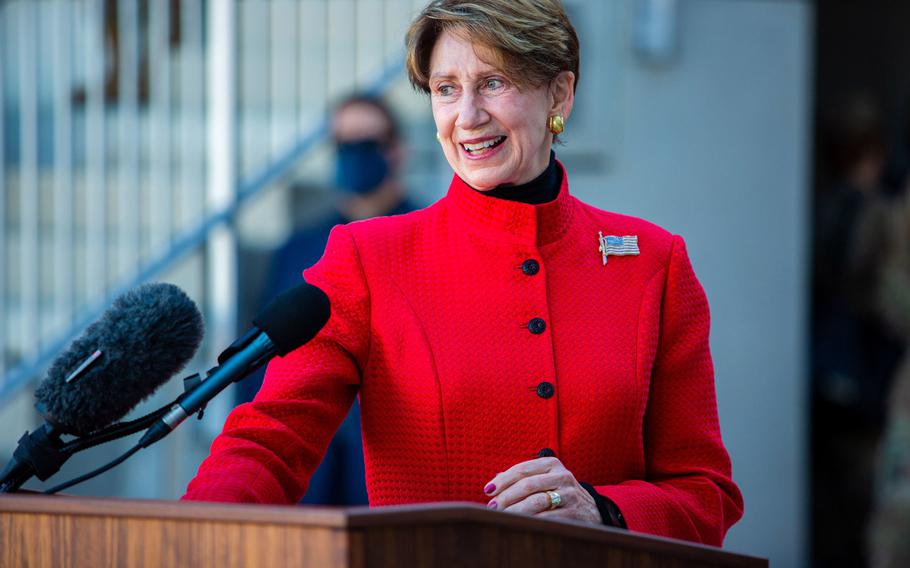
190,383
39,453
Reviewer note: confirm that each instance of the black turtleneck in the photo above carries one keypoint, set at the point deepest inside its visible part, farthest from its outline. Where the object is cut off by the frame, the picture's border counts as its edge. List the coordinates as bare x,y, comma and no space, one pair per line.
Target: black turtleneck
541,189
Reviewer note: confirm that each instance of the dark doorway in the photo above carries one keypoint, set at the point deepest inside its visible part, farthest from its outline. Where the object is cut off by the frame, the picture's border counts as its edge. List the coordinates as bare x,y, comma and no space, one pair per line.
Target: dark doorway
862,106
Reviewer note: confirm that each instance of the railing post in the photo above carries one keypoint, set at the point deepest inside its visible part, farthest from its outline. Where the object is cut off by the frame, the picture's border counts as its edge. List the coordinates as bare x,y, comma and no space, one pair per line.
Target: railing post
29,263
96,186
128,146
191,105
63,231
160,140
3,193
221,260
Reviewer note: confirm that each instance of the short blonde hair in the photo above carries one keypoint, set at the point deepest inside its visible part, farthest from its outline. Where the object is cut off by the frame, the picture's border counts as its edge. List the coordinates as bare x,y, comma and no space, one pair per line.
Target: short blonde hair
531,41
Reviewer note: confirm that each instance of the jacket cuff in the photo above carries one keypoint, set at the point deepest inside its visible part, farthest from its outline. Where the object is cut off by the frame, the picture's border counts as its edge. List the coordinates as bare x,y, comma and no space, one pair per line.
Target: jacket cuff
609,511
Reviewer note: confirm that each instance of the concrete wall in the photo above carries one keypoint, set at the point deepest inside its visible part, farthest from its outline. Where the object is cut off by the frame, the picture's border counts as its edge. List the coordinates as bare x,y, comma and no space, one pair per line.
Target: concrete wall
715,147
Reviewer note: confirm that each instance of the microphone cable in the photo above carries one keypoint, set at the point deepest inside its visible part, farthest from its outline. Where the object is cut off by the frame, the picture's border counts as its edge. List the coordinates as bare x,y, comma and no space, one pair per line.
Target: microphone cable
94,473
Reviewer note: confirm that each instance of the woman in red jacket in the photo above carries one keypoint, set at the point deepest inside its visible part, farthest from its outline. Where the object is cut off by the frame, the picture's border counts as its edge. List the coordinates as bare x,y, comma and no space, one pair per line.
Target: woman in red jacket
510,345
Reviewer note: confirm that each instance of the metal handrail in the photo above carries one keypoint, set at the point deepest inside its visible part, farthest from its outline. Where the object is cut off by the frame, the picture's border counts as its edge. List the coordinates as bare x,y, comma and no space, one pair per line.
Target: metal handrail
26,370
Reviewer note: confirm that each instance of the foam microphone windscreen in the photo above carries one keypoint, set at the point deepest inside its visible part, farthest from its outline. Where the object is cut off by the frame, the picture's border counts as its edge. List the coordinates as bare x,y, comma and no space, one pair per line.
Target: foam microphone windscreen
294,317
144,338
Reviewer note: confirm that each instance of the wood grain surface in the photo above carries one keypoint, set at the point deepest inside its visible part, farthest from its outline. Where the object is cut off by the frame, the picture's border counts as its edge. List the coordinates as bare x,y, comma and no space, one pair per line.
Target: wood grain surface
66,531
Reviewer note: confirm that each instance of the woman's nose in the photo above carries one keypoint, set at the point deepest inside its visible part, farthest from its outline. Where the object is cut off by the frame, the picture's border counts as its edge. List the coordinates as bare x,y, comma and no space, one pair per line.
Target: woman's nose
471,113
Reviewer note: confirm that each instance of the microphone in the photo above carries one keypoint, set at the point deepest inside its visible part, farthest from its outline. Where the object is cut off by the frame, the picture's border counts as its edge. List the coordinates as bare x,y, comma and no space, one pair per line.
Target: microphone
145,337
293,318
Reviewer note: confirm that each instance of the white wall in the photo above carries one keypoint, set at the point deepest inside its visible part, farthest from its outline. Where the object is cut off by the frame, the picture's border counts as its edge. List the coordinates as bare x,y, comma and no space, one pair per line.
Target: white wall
714,146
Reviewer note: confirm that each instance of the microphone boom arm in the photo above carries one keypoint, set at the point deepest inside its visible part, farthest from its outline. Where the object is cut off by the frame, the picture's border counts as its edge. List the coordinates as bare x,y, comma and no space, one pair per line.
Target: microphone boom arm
42,453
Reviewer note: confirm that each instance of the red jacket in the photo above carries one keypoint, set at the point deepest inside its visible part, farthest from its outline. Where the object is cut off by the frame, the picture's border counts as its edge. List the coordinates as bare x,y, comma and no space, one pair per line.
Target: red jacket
451,338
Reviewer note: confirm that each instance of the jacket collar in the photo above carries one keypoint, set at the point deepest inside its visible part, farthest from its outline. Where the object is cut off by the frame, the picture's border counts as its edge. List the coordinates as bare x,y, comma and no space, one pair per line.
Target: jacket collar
504,220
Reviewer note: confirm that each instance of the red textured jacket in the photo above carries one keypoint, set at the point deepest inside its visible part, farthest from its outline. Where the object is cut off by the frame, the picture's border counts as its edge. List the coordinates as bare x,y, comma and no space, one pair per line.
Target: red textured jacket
432,324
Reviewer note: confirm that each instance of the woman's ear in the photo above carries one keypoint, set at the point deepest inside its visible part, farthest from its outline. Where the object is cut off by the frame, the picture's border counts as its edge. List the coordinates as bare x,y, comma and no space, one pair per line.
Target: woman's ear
562,94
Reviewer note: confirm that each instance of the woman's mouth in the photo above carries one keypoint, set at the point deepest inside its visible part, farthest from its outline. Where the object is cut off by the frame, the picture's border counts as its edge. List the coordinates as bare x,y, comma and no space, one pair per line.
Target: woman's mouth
483,147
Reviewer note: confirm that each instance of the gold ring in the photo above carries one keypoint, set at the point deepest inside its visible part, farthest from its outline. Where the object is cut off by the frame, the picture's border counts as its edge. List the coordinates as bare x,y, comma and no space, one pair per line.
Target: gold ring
555,499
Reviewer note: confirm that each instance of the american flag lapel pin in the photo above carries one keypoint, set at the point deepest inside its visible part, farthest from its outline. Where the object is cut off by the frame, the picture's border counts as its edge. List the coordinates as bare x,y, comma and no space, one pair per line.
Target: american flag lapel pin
617,246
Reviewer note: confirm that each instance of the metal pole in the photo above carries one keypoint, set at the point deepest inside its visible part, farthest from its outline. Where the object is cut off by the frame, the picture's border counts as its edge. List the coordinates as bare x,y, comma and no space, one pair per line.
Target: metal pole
341,52
313,68
29,261
296,43
4,188
96,277
369,36
275,77
192,114
128,218
284,96
64,241
221,261
159,125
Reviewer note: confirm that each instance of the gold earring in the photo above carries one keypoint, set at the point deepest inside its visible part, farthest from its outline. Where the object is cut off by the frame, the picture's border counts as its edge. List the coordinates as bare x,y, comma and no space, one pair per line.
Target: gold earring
556,123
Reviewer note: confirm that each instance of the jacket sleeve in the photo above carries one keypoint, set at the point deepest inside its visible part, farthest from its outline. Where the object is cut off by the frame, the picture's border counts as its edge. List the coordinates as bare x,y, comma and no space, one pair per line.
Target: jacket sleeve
688,492
270,447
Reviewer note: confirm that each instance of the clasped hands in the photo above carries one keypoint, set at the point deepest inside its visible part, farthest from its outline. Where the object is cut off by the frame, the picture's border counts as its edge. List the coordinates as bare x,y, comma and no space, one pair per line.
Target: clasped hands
523,489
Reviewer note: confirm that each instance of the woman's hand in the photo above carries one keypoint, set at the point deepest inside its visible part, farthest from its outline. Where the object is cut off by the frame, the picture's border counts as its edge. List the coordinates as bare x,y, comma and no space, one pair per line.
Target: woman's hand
523,489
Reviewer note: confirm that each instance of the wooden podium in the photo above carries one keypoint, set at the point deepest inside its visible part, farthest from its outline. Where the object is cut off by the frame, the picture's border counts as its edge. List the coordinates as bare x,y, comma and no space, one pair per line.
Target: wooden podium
67,531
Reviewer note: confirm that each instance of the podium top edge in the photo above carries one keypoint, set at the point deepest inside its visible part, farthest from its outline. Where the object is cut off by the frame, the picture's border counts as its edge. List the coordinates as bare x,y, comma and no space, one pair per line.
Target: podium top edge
178,510
352,518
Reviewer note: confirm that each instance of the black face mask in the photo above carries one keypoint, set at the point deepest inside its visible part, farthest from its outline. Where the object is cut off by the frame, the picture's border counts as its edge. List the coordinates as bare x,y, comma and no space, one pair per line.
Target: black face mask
360,167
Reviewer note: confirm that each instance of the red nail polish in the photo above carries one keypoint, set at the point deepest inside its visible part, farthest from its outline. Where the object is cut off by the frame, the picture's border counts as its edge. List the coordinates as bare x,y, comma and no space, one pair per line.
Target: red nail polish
489,488
492,504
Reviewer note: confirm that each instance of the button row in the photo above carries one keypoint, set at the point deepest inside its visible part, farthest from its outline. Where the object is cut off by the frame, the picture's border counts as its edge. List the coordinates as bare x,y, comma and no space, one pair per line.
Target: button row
545,390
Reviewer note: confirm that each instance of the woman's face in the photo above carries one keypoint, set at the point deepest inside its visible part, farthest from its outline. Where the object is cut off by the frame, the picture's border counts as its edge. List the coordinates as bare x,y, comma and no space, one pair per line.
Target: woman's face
491,132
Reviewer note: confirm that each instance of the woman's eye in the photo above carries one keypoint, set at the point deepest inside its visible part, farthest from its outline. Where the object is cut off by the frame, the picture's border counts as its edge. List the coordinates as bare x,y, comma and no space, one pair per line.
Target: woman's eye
445,90
493,84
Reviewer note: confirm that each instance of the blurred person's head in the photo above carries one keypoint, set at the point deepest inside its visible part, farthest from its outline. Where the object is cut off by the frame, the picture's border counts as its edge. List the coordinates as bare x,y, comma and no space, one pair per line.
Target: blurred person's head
498,72
854,140
368,156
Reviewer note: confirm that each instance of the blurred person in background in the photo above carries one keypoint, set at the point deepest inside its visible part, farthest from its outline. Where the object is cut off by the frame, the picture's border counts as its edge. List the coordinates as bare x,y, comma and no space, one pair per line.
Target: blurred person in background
855,349
369,158
889,530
